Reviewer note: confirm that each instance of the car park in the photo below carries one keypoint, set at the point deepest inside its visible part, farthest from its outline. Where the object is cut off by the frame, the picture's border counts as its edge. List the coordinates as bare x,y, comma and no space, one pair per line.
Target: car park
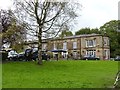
26,55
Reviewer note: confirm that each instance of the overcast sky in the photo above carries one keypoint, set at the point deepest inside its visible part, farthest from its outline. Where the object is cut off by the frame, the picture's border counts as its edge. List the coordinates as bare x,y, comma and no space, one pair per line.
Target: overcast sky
94,13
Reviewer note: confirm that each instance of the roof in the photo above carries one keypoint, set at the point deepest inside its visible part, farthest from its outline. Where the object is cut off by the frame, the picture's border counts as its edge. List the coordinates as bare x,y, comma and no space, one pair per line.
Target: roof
82,35
79,36
69,37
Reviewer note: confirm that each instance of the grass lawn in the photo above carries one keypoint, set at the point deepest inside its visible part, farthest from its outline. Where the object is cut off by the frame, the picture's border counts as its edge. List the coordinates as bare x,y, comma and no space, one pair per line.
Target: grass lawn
0,75
59,74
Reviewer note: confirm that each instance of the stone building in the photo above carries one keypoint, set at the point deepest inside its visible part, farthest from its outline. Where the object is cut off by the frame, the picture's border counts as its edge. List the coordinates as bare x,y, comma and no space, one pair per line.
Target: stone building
80,45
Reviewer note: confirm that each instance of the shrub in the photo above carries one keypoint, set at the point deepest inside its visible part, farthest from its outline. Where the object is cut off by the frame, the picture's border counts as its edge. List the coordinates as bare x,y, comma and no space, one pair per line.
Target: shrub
4,55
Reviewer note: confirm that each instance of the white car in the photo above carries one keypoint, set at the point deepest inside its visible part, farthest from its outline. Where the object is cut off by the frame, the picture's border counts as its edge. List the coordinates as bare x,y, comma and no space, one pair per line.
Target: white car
12,55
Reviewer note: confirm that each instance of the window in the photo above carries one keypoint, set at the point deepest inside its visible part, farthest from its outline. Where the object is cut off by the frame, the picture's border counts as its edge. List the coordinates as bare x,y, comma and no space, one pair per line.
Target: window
106,54
65,46
91,53
74,45
54,47
106,41
90,43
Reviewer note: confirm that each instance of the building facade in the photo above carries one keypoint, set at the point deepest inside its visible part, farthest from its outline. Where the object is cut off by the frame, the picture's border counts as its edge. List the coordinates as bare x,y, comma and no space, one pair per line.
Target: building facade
80,45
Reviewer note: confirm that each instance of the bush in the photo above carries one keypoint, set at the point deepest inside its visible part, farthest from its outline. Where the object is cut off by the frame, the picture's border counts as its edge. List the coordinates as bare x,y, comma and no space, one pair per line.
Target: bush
4,55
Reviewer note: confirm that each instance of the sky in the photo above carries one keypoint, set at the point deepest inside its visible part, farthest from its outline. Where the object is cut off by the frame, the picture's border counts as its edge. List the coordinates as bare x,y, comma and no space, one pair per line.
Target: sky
93,14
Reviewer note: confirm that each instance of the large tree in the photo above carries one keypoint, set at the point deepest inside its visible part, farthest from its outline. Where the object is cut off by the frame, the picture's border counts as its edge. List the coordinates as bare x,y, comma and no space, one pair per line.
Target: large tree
87,31
44,17
11,32
111,29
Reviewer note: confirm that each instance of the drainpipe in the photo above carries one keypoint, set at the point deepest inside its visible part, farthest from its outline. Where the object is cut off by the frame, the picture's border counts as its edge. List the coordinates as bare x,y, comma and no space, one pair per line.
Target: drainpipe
102,48
80,48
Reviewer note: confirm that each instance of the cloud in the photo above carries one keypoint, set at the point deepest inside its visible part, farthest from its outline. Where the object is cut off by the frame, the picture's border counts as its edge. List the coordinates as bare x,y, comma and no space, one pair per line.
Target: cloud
94,13
5,4
97,12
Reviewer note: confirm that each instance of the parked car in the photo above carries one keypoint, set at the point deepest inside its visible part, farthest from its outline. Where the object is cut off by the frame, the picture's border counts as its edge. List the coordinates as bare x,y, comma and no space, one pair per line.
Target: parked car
13,55
31,54
21,56
112,59
117,58
35,55
90,58
28,54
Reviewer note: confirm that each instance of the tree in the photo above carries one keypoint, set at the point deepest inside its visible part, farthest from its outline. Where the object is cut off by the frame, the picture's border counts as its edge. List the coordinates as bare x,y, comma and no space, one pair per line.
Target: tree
66,32
95,30
44,17
11,31
87,31
83,31
110,29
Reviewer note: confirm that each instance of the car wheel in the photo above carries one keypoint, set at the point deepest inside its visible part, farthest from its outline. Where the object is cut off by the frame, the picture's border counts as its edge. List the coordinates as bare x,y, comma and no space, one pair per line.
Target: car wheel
10,59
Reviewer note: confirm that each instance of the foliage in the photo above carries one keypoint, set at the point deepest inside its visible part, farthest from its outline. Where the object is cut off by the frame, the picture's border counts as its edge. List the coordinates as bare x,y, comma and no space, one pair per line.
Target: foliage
59,74
66,32
4,55
12,32
87,31
19,47
110,29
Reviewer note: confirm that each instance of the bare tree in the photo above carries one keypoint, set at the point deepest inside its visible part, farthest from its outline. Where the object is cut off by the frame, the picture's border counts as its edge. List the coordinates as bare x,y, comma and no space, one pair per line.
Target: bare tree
43,17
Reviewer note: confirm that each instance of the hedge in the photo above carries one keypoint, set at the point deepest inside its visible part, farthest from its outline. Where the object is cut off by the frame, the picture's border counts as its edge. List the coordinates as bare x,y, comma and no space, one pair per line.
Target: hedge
4,55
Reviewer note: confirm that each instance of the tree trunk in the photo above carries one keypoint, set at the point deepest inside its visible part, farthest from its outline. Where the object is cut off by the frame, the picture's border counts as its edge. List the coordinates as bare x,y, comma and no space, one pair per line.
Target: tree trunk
39,53
40,46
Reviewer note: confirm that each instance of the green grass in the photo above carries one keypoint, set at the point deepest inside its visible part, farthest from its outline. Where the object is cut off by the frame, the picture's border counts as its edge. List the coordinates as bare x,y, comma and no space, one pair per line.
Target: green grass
59,74
0,75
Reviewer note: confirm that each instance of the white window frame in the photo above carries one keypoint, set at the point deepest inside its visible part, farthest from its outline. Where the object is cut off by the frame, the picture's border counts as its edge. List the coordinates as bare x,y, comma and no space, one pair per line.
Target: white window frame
91,53
106,54
91,43
54,46
105,41
65,46
74,45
